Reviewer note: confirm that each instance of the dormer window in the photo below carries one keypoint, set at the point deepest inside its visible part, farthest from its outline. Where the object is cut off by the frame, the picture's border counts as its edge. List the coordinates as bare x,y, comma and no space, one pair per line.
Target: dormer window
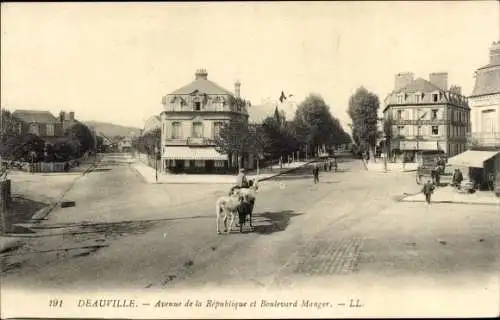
418,97
435,97
400,98
197,106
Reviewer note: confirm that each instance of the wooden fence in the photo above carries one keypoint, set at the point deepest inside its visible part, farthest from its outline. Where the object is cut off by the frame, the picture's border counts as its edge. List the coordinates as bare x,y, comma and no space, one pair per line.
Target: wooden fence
44,167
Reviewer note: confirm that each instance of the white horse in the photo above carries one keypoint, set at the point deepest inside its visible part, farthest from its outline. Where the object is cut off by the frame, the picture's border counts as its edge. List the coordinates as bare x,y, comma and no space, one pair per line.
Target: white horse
228,206
249,197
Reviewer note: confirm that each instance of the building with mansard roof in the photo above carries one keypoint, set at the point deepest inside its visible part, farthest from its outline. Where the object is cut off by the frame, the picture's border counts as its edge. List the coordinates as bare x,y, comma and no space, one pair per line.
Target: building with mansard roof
426,115
191,119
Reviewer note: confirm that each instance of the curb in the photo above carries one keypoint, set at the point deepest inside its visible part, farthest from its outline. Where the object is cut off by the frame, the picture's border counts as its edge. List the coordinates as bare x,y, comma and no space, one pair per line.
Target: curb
41,214
218,182
12,245
457,202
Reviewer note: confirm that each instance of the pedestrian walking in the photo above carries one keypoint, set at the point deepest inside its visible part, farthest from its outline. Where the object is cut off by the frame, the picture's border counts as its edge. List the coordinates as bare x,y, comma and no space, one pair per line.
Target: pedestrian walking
330,165
427,190
316,173
325,166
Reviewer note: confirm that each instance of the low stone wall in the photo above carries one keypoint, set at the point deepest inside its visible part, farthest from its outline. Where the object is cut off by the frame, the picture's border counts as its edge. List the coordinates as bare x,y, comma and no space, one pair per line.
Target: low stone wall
5,203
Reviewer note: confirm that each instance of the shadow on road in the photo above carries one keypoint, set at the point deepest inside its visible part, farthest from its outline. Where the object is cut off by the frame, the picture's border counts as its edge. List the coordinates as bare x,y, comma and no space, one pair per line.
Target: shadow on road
108,229
275,221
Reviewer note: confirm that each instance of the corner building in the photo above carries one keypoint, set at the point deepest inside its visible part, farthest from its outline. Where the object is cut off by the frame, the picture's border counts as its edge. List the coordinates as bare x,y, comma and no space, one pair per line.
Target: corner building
191,119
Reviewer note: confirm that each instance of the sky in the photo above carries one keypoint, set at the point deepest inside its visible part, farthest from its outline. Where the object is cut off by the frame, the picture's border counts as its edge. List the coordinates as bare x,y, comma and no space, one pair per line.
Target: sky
113,62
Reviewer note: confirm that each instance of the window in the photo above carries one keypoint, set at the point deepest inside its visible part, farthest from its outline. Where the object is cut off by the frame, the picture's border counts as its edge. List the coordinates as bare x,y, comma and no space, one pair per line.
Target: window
418,97
176,130
400,98
435,130
197,106
217,128
50,130
197,131
199,163
419,130
434,114
34,129
219,163
399,115
401,130
435,97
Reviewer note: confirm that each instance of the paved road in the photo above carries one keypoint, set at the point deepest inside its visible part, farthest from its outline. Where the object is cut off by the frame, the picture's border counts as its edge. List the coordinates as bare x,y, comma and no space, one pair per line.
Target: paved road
128,234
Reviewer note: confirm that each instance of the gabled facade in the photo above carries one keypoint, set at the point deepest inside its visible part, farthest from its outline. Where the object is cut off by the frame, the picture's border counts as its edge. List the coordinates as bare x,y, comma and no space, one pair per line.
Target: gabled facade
191,119
426,115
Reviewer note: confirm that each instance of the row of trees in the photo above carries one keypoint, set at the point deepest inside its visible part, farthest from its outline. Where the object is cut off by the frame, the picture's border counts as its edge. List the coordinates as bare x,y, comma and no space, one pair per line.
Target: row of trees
363,111
312,127
16,146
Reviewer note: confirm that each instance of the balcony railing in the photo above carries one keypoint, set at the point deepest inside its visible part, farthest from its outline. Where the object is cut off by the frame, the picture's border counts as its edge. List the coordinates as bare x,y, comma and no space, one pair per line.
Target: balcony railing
199,141
191,141
205,109
484,139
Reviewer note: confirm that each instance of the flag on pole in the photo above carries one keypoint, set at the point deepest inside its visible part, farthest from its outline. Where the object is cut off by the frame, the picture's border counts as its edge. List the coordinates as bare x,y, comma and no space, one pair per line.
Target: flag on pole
282,97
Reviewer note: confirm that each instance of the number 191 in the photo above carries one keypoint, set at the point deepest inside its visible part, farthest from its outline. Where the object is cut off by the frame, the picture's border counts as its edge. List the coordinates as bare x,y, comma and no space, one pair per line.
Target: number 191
55,303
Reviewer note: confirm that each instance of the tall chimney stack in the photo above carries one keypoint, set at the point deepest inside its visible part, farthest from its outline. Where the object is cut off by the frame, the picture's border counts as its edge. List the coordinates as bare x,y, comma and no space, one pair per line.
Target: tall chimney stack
237,87
201,74
403,79
495,53
439,79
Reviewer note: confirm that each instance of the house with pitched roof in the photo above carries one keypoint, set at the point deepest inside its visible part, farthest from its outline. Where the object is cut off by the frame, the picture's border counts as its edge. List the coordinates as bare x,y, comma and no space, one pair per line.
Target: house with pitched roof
191,118
43,123
426,115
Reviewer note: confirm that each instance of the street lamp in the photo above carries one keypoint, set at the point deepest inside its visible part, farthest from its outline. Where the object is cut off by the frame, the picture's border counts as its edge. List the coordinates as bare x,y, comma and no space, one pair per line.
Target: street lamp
156,163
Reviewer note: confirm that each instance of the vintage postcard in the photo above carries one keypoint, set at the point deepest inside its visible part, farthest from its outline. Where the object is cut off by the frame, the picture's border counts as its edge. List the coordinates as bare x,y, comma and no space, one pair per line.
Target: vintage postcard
250,159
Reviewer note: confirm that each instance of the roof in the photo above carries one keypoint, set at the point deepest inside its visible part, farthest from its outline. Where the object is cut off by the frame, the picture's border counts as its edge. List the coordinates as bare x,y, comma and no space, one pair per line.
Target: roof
419,85
153,122
487,81
257,113
35,116
202,85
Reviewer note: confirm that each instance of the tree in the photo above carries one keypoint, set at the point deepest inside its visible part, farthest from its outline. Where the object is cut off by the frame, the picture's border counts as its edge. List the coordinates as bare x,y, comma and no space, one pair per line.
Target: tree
363,110
9,126
315,126
82,133
99,146
278,139
238,137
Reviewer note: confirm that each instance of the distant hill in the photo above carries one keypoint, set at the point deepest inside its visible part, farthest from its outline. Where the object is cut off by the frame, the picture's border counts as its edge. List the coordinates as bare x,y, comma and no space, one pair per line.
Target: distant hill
112,130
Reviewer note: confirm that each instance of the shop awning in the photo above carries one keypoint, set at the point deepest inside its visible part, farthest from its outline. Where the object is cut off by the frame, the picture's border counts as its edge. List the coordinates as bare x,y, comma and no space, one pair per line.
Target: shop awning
195,153
471,158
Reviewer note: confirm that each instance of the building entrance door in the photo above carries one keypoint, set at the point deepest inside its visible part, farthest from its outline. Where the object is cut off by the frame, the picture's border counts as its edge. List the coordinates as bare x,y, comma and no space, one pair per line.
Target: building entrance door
209,165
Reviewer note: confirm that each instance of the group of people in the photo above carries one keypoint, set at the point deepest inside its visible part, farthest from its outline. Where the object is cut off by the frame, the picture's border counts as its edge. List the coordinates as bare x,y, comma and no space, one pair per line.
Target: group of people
327,165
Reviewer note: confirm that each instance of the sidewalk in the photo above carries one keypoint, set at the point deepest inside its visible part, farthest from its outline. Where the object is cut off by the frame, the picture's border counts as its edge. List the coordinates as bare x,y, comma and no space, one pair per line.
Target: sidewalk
149,175
40,189
448,195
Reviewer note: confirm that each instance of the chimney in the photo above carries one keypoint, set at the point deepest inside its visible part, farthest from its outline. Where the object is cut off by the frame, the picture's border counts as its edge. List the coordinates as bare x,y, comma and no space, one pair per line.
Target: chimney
495,53
439,79
237,86
71,116
201,74
62,116
403,79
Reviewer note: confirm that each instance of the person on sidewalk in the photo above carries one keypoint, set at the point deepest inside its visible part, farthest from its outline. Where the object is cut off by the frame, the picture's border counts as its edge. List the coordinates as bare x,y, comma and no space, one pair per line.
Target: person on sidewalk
316,173
427,190
457,178
241,181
